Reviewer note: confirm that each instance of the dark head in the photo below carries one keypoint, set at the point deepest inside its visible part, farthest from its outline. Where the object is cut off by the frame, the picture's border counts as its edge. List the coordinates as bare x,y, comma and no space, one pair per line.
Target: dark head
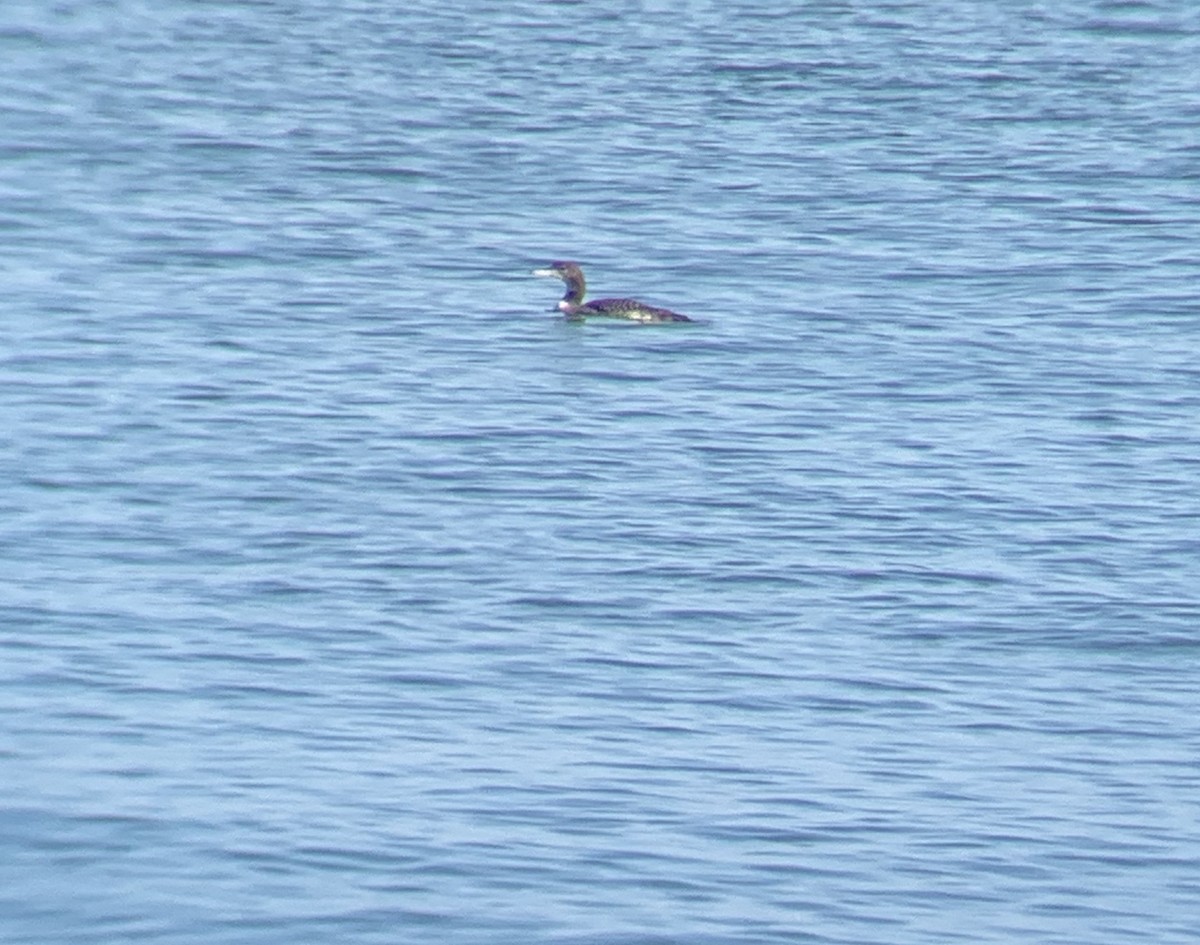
562,269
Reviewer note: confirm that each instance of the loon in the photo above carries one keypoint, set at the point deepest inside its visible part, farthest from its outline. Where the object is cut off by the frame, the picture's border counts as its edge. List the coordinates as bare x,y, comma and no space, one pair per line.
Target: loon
577,310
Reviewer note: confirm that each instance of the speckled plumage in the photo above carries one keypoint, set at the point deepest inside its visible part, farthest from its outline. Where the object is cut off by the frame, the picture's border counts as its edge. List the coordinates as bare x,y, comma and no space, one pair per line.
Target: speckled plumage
573,306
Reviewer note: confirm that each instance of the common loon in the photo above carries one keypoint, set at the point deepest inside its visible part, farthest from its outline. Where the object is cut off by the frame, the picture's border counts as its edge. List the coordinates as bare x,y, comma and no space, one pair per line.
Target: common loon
573,306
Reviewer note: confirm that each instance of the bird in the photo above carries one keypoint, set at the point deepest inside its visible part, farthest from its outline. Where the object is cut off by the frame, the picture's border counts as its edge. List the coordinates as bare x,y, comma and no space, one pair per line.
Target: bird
573,306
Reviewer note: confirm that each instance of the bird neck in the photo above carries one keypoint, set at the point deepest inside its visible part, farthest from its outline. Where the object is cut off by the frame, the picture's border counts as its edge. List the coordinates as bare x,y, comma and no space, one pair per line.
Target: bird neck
575,288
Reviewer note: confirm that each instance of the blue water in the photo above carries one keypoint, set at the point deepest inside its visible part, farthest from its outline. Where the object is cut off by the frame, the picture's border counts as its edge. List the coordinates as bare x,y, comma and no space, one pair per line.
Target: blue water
352,597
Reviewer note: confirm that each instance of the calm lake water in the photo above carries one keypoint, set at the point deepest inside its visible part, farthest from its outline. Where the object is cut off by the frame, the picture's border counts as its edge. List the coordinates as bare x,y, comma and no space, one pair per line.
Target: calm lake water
352,597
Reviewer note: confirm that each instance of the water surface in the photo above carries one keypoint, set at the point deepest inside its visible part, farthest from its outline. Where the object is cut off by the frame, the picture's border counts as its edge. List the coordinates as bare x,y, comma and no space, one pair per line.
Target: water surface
352,597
